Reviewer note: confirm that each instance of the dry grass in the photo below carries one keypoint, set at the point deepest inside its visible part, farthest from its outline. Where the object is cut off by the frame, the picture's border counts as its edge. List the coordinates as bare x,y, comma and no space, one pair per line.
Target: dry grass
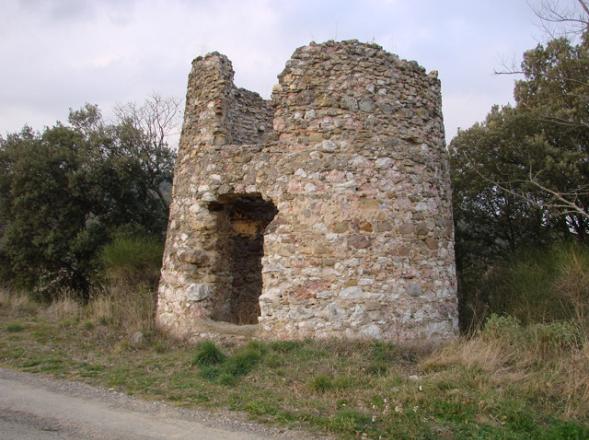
64,308
535,285
549,362
123,311
573,284
470,353
100,308
17,302
127,310
571,380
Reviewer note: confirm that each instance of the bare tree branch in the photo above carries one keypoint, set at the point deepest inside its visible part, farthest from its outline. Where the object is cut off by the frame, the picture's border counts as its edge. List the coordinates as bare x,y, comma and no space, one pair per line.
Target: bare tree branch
152,125
567,201
567,21
584,6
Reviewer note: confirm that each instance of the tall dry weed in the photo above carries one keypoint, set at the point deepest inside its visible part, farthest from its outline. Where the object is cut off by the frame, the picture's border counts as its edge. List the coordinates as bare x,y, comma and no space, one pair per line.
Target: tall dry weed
127,309
487,356
17,302
64,307
550,360
573,284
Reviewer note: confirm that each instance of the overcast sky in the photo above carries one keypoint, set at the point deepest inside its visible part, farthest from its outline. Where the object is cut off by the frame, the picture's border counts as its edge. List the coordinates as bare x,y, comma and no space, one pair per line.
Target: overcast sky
60,54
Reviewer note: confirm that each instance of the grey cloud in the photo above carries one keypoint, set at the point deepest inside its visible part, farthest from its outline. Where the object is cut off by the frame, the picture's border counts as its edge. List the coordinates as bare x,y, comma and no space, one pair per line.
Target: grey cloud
64,53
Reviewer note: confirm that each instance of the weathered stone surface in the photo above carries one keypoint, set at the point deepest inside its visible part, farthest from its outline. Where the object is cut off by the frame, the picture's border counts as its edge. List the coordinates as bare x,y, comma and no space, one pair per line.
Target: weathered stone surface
324,212
198,292
137,339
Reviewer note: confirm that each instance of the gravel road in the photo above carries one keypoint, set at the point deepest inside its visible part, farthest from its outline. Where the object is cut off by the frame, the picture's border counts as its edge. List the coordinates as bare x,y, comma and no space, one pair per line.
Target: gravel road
38,408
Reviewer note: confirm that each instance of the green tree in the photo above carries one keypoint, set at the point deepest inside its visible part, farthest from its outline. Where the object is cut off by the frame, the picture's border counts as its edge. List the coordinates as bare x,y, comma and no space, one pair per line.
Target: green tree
44,208
521,178
66,191
555,92
489,163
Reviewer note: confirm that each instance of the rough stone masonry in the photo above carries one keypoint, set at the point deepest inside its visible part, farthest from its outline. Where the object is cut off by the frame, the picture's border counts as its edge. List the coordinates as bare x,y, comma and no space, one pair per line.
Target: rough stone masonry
324,212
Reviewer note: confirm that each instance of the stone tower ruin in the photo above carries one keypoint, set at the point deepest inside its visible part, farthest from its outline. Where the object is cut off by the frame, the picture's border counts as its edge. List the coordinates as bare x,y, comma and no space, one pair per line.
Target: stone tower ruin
324,212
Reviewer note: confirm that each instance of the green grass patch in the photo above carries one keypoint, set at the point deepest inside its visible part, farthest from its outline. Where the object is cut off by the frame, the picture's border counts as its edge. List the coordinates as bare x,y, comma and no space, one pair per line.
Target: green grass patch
207,353
350,389
349,420
323,383
14,327
242,362
285,346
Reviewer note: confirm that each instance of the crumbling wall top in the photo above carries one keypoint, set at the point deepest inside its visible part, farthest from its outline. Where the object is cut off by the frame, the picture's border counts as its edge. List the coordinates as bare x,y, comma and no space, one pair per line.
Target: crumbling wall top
355,91
217,112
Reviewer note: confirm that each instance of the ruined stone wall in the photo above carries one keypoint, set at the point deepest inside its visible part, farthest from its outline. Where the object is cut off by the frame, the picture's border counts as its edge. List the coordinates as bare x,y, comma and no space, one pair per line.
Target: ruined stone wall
362,241
249,117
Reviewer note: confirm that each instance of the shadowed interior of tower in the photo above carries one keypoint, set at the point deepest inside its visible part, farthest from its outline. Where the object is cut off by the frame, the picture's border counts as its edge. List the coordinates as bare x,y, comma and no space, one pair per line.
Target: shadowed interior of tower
241,220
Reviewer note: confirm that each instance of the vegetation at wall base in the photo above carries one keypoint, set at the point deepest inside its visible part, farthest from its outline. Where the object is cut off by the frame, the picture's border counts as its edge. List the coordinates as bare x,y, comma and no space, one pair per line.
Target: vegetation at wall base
509,381
539,284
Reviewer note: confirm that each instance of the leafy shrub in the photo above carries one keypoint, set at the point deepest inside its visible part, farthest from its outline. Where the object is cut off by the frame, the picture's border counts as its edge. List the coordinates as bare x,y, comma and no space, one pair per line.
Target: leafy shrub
133,260
216,367
541,285
554,337
543,339
64,191
242,362
501,327
207,353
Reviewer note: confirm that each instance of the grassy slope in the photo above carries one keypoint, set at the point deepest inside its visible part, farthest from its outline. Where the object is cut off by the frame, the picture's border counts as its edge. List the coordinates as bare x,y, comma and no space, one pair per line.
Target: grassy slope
504,384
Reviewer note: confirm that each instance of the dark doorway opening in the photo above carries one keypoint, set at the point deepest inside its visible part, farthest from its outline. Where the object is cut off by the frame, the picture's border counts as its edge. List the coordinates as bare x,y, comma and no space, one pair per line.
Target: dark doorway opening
243,219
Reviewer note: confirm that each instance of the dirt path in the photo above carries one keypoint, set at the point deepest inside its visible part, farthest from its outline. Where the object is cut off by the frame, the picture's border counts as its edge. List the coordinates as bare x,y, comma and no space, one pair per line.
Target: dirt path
38,408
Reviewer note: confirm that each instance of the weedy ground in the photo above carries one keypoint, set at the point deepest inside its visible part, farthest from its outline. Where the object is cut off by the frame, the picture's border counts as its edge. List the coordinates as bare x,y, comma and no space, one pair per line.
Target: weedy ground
507,382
